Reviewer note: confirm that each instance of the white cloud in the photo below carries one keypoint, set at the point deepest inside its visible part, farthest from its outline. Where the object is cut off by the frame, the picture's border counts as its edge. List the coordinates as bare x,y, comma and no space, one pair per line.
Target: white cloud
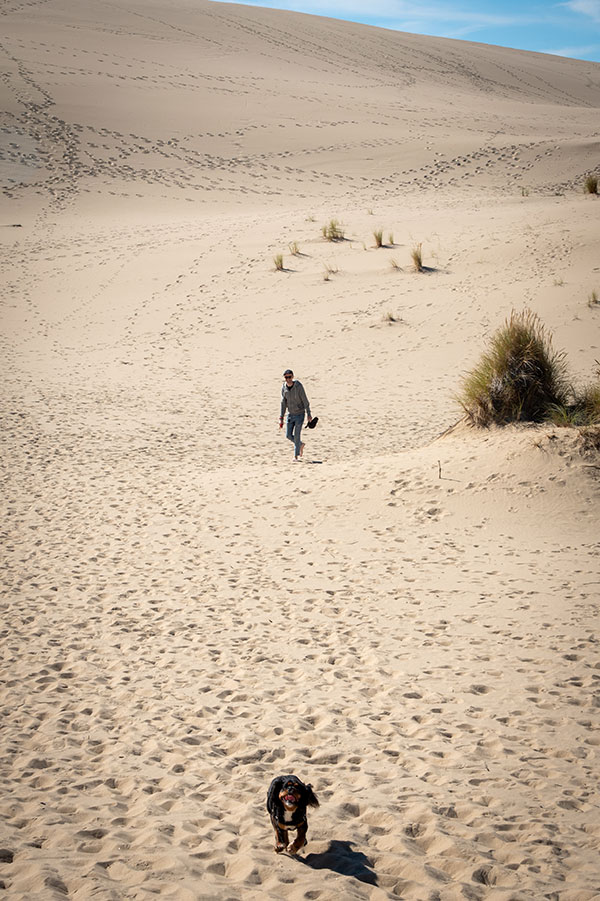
453,22
589,8
574,52
404,14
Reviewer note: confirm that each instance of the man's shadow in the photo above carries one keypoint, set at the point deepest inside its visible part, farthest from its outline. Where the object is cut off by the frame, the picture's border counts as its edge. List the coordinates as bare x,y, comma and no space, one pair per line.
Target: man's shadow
342,858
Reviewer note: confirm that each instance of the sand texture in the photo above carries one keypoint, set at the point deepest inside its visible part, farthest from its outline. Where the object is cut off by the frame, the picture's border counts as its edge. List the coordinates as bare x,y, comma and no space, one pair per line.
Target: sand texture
408,618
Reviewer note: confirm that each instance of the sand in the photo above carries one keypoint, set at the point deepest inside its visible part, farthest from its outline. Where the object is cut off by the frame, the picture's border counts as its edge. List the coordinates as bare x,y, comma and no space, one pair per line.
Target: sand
408,619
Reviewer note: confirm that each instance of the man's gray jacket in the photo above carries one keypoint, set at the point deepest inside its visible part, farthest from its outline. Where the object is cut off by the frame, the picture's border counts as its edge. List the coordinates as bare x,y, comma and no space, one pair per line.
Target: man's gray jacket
294,399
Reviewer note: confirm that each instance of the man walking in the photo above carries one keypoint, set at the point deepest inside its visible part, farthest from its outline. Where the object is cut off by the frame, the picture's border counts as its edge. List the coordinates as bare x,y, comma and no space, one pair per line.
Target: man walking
294,399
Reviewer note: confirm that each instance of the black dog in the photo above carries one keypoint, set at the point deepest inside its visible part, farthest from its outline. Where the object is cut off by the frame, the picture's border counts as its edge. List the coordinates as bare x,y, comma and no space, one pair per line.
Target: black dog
287,801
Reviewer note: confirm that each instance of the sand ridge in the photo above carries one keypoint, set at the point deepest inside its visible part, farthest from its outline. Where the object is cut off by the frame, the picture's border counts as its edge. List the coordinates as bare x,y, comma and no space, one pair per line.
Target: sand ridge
407,619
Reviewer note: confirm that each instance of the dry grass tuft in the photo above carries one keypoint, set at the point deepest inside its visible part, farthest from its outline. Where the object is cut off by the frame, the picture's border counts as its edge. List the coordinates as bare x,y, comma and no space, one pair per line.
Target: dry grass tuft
278,260
590,185
590,441
583,409
333,231
417,257
520,377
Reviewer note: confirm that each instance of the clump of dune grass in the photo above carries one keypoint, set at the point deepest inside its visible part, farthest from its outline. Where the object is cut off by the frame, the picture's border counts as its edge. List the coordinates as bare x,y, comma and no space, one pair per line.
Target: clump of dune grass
520,378
581,411
416,255
593,299
564,415
378,235
389,317
588,399
294,249
590,440
278,260
391,239
333,231
394,265
590,185
329,271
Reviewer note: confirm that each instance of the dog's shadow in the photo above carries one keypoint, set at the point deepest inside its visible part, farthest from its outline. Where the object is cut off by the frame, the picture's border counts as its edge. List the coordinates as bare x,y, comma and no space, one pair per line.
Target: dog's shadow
342,858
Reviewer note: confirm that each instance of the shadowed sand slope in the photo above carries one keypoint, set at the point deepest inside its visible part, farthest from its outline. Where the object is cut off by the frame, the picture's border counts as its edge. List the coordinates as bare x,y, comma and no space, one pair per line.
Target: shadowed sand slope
408,619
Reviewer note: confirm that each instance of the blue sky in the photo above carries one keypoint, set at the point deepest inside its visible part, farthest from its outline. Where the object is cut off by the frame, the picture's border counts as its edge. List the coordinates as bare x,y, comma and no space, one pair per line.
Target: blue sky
570,28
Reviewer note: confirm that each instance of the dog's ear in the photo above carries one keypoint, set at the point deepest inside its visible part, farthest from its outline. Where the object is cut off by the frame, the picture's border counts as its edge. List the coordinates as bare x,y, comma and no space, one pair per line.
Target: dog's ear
310,799
273,794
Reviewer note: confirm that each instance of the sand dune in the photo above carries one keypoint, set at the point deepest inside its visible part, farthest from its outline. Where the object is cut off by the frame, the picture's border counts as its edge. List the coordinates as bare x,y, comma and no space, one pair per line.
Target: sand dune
408,619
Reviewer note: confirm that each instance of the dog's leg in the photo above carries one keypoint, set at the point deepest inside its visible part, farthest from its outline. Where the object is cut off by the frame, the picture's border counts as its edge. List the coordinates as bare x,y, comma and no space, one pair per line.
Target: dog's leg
281,837
300,839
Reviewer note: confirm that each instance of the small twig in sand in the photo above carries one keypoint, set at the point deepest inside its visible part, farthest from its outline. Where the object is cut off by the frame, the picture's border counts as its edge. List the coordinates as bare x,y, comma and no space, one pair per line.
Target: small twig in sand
445,478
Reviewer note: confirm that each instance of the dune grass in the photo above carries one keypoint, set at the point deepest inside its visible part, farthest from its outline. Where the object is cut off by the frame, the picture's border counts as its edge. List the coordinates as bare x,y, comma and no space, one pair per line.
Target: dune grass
582,409
520,378
333,231
590,185
416,255
278,260
379,242
590,436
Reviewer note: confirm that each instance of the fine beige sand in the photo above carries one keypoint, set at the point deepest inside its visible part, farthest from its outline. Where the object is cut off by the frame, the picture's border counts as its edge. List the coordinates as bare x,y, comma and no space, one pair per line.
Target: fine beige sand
408,619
